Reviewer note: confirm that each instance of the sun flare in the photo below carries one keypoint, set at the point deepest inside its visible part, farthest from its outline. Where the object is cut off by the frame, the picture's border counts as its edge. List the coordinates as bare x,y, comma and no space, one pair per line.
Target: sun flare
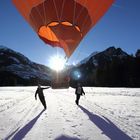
57,63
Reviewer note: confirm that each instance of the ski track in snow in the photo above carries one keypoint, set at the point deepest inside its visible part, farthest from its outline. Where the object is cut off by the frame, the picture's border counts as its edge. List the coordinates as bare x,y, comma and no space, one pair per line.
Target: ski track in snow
103,114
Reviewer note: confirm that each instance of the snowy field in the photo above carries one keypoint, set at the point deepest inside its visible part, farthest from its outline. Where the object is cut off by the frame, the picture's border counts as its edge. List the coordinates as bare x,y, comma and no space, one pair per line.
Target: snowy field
103,114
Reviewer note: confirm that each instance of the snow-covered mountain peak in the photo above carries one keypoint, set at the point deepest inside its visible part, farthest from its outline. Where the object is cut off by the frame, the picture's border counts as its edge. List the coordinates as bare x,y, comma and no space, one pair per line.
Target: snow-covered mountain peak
4,48
138,53
7,52
87,58
106,54
112,51
20,68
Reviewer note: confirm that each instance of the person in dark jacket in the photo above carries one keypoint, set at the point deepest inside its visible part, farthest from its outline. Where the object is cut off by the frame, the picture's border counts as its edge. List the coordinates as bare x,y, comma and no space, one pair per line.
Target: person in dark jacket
79,91
39,91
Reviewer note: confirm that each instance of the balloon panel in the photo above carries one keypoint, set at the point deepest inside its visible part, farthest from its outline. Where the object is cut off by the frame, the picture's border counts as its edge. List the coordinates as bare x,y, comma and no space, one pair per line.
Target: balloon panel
62,23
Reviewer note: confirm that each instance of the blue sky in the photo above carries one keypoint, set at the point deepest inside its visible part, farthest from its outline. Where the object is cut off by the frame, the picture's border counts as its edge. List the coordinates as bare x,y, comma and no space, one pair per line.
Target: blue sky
119,27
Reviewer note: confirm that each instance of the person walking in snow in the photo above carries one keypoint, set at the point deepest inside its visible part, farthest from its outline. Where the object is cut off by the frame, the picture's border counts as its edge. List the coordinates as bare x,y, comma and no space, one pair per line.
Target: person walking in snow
79,91
39,91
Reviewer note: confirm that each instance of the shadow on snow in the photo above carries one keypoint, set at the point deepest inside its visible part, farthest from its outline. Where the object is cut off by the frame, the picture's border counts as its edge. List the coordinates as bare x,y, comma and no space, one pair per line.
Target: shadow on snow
23,131
64,137
107,127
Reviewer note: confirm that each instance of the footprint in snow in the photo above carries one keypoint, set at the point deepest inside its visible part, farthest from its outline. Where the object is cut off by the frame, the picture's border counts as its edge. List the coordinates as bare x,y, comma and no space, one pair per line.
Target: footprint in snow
73,125
68,120
74,133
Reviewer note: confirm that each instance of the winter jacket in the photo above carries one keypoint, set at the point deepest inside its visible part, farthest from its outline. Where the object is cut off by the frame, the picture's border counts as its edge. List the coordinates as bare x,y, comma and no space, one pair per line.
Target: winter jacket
79,91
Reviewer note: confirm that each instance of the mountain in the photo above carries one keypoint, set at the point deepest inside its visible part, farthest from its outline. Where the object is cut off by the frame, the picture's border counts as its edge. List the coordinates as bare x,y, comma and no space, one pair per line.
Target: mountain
138,53
87,59
106,55
112,67
16,69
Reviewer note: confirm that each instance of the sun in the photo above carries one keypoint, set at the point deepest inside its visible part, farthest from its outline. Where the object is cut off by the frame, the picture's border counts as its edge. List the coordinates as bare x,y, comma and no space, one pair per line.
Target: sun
57,63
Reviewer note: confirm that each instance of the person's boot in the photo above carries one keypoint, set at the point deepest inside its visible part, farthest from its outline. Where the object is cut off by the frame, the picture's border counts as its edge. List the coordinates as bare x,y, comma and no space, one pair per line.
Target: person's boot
45,107
76,102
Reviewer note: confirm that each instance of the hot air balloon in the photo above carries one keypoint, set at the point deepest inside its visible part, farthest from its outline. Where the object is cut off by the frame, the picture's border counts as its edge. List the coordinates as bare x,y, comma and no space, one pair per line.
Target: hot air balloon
62,23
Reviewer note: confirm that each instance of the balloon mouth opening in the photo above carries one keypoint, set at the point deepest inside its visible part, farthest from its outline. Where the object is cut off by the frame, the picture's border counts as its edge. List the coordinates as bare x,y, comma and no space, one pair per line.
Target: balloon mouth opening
47,33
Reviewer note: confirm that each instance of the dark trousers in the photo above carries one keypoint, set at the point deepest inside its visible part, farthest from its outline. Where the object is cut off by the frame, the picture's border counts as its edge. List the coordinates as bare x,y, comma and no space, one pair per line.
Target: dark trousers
42,99
77,99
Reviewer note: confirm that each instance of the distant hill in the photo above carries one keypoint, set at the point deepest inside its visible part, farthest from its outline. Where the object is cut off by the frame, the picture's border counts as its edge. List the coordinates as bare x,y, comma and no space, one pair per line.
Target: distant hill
112,67
16,69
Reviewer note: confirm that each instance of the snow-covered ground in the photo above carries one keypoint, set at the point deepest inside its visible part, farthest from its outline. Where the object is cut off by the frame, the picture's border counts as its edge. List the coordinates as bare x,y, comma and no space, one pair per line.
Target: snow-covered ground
103,114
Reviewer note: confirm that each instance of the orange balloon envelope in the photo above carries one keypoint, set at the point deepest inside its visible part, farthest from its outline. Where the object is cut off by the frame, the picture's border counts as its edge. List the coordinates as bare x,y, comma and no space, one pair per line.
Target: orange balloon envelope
62,23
